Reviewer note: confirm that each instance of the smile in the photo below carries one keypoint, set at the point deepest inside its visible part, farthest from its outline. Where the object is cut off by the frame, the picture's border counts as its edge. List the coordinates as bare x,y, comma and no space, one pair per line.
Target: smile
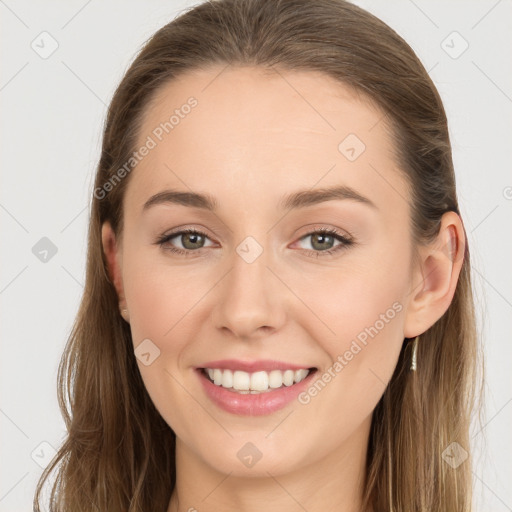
253,388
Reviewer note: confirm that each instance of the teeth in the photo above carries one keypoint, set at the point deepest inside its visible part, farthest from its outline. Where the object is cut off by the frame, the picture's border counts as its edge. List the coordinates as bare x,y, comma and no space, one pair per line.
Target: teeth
257,382
288,377
275,379
241,381
217,377
227,379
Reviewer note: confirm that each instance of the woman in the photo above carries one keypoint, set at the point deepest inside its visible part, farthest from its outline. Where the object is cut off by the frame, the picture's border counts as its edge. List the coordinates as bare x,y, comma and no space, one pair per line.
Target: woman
278,309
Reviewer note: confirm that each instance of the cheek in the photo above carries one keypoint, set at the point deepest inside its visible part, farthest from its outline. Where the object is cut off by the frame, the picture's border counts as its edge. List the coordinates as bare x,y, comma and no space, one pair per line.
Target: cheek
358,320
163,309
161,297
361,292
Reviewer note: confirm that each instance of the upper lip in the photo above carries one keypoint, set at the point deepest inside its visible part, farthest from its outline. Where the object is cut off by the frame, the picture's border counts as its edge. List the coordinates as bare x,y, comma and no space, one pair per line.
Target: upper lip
253,366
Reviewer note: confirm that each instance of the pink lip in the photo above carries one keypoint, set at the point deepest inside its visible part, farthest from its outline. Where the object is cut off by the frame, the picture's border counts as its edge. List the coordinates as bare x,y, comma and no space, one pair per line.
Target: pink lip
266,365
248,404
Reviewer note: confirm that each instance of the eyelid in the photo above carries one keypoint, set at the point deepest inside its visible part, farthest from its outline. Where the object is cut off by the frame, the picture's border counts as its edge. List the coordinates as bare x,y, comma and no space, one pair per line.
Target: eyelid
186,229
315,228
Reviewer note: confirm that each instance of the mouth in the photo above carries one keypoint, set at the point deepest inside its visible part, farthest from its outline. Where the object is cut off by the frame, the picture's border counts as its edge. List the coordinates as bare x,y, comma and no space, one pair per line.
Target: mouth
255,392
242,382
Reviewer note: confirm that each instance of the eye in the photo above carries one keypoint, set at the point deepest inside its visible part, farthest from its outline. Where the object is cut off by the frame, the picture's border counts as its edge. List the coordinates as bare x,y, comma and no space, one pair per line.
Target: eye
187,241
325,242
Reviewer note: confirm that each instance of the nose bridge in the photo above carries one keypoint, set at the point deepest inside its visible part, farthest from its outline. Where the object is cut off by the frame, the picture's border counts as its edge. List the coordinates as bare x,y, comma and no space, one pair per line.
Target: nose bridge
250,263
250,298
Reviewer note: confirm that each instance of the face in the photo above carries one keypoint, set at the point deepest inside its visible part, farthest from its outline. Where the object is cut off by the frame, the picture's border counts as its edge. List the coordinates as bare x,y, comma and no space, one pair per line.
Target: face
298,256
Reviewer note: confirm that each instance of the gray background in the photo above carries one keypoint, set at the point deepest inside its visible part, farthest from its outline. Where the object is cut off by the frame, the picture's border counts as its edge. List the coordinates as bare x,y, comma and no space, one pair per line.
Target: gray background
52,113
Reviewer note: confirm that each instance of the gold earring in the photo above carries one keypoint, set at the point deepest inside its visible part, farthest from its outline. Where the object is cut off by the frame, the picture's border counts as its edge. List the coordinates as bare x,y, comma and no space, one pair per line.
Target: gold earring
414,354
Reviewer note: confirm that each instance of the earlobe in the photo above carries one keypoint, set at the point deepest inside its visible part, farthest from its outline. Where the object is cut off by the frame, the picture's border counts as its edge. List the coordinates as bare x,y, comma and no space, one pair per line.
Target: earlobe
437,276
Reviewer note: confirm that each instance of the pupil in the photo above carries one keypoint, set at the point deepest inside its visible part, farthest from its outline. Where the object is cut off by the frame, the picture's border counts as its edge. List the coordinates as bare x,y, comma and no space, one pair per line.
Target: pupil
318,239
194,240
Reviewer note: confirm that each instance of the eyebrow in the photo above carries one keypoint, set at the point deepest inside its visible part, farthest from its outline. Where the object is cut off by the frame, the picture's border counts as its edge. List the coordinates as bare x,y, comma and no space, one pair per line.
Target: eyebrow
295,200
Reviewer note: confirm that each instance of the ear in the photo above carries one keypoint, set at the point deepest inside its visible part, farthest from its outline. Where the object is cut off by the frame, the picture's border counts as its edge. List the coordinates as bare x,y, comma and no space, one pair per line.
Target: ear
111,248
435,276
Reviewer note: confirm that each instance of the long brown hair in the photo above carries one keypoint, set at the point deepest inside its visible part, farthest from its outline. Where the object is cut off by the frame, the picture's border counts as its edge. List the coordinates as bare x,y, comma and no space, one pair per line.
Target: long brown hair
119,452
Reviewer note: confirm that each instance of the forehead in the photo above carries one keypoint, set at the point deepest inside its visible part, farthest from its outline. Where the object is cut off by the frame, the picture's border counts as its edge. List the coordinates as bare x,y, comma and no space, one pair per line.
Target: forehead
226,129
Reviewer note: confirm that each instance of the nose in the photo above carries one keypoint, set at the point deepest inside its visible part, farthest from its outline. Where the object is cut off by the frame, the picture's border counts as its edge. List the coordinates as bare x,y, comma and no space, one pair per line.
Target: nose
251,301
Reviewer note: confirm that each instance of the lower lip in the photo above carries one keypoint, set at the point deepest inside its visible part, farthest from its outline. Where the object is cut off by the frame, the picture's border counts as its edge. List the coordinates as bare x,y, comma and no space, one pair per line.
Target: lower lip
253,404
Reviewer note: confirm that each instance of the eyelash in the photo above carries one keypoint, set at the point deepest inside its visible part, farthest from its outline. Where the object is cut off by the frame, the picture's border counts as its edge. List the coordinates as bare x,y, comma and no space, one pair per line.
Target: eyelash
345,242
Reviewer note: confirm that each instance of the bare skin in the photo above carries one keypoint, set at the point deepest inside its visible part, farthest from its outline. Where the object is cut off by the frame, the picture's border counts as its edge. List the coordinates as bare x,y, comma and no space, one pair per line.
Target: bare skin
251,140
